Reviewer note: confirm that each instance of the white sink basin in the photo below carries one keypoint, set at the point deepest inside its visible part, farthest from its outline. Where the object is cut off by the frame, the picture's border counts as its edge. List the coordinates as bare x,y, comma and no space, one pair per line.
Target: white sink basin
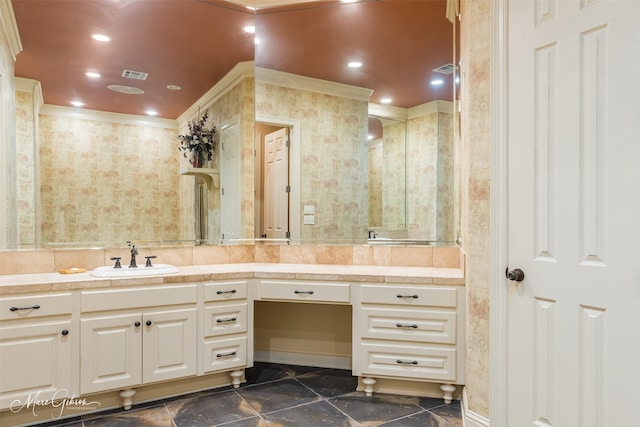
109,271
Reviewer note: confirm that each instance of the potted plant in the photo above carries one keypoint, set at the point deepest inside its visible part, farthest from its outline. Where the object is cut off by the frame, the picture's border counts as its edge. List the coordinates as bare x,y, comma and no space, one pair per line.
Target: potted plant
199,142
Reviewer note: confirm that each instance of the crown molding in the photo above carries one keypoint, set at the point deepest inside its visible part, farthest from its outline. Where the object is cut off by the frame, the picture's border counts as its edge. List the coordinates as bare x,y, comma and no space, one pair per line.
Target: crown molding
241,71
388,111
430,108
31,86
399,113
294,81
104,116
10,27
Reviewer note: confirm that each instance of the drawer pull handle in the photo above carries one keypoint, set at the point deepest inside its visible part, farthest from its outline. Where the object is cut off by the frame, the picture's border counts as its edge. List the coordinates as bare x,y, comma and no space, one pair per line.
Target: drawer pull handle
407,362
232,319
303,292
65,332
407,296
400,325
232,291
33,307
231,353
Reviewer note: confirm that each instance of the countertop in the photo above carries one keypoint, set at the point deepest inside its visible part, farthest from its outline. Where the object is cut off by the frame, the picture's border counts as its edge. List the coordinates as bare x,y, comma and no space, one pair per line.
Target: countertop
48,282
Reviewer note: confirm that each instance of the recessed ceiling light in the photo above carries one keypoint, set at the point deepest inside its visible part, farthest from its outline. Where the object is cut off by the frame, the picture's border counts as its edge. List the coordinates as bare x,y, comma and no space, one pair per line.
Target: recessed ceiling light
173,87
349,1
354,64
369,137
437,82
101,37
385,101
251,29
151,113
77,103
92,74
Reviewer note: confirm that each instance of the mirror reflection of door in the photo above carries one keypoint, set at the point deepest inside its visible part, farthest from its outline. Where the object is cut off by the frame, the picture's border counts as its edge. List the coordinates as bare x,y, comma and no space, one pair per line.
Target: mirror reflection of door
230,185
274,182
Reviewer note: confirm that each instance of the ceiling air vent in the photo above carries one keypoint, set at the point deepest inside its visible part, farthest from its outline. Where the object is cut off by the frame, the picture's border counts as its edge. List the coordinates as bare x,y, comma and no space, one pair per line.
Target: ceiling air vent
445,69
136,75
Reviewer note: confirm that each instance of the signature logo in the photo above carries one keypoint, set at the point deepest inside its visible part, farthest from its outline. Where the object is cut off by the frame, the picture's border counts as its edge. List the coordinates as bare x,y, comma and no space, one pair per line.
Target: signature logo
60,400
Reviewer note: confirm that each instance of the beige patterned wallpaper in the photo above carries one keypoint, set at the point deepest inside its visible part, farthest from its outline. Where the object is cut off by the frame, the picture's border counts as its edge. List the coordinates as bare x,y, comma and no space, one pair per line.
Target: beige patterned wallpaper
27,158
105,181
430,183
394,176
376,163
8,200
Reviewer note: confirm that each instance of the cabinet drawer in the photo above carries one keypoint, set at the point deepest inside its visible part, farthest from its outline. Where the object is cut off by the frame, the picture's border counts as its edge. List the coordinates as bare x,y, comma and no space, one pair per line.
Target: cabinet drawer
220,355
225,291
225,319
305,292
415,361
114,299
35,306
432,296
408,325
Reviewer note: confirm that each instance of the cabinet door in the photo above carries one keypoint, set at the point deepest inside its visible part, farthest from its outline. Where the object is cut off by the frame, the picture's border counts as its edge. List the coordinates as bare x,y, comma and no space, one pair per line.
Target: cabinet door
35,362
169,344
111,352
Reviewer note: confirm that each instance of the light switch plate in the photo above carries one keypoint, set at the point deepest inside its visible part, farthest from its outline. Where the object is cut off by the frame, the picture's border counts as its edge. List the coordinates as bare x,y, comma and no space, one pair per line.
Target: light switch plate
309,219
309,209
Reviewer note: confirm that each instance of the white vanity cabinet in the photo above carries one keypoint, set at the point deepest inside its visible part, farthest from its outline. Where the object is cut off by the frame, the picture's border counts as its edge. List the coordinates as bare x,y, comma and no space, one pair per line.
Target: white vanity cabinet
411,332
135,336
225,322
37,338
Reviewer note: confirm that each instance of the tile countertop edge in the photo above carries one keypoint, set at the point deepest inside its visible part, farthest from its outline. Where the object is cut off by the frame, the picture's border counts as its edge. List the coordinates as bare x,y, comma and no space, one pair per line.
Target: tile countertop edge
45,282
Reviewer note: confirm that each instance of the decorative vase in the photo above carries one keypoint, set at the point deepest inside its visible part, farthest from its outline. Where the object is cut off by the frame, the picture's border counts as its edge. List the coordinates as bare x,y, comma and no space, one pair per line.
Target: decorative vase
197,161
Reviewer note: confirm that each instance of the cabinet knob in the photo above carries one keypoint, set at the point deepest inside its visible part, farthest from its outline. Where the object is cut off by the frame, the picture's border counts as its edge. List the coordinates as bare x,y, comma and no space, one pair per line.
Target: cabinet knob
148,322
65,332
137,324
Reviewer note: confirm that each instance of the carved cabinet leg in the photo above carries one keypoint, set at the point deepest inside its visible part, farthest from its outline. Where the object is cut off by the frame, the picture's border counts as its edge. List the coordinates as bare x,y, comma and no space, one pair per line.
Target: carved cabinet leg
127,398
236,377
368,385
447,391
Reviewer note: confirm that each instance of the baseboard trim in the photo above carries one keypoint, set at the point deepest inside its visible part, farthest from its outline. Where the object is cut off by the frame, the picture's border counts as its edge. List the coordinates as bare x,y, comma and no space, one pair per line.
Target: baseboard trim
470,418
288,358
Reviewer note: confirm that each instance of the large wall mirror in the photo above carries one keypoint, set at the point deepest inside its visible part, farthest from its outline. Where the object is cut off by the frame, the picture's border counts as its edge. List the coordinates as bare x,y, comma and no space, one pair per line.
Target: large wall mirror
365,90
94,184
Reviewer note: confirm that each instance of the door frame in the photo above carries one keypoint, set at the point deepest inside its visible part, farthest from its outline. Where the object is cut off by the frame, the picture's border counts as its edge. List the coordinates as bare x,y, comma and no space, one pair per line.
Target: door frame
499,206
294,168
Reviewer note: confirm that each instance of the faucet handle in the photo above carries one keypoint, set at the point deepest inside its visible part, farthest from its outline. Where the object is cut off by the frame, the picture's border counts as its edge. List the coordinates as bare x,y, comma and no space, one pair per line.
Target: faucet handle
117,260
149,258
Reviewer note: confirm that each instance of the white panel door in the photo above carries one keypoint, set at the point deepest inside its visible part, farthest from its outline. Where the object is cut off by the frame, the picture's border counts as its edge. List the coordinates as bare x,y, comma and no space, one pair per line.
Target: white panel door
111,352
169,344
230,181
574,213
276,180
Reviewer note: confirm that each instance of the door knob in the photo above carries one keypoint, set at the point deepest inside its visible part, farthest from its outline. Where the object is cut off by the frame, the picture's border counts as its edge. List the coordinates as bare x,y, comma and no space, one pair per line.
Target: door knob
515,275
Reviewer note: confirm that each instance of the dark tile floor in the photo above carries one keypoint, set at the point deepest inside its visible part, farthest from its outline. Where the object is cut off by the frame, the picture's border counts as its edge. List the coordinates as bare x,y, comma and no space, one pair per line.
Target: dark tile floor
283,395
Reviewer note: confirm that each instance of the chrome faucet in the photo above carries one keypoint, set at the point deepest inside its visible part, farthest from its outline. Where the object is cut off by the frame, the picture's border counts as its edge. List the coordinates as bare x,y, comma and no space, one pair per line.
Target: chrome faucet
134,252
